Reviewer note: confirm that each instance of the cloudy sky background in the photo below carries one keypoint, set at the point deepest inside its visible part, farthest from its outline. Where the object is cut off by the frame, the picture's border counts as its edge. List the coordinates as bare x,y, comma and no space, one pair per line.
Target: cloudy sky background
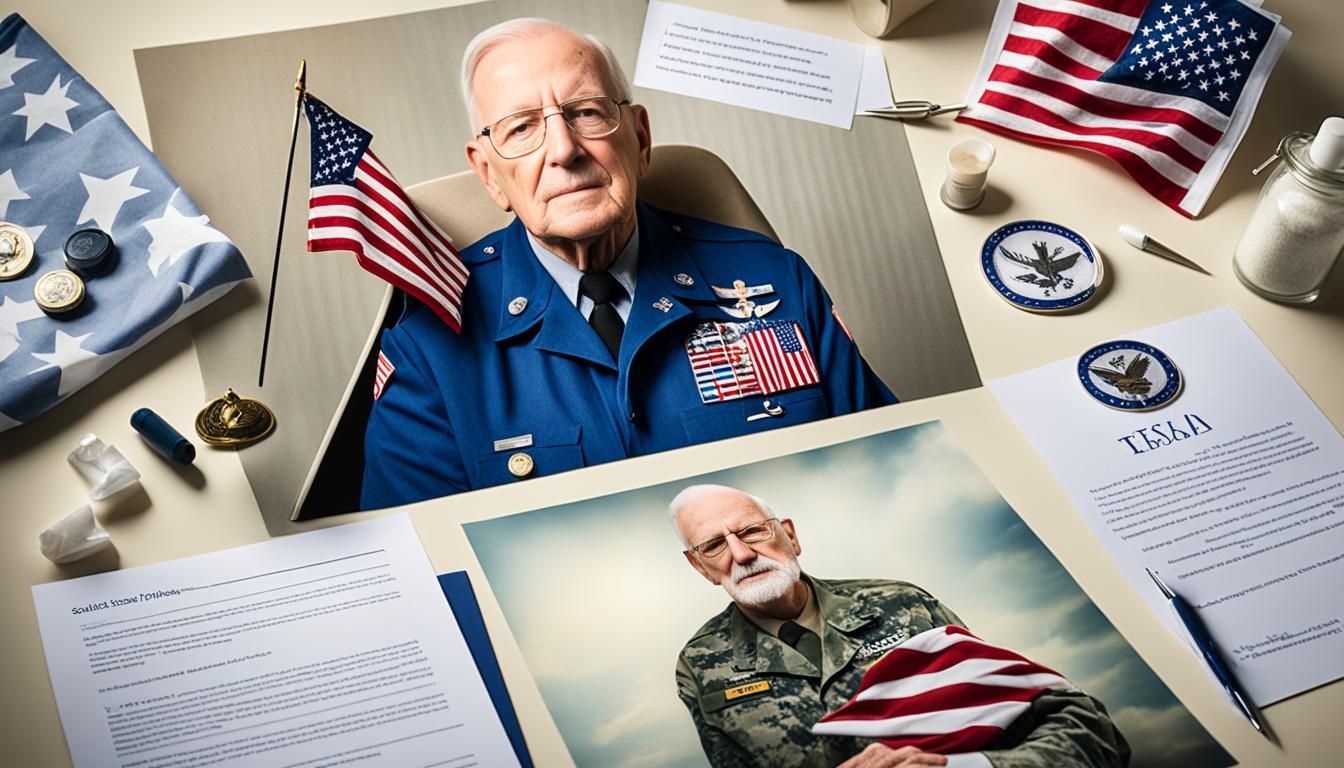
601,600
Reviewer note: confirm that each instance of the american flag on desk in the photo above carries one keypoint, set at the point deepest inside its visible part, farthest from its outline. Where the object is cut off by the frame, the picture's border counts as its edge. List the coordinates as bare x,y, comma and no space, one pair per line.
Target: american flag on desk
1166,88
355,204
943,690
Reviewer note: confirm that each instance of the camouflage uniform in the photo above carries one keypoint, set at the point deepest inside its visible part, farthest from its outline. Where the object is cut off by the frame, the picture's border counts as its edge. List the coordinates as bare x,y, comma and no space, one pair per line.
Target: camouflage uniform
754,699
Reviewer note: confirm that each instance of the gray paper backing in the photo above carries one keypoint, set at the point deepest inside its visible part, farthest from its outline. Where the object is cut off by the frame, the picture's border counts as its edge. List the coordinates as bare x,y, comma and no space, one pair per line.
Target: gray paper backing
219,115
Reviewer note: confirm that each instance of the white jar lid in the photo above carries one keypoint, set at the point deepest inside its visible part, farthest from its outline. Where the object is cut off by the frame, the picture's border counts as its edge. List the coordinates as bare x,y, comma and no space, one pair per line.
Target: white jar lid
1327,149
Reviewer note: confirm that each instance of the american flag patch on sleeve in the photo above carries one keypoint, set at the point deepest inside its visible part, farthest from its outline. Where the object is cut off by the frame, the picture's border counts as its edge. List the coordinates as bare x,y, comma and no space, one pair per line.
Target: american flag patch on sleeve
381,374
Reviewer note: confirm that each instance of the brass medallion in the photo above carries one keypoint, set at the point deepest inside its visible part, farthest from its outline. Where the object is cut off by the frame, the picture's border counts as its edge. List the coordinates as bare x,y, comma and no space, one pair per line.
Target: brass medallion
16,251
233,421
59,290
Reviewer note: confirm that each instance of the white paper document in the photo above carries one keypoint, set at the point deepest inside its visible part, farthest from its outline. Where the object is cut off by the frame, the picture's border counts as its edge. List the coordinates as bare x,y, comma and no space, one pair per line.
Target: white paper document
759,66
1233,493
334,647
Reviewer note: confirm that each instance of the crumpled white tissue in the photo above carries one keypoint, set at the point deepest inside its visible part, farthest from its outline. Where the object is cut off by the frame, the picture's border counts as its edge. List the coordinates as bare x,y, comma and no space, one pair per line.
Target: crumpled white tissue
73,537
104,466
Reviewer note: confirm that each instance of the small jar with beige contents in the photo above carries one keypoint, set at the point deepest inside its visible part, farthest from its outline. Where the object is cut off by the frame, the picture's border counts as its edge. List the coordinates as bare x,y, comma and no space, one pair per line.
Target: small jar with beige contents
1296,233
967,174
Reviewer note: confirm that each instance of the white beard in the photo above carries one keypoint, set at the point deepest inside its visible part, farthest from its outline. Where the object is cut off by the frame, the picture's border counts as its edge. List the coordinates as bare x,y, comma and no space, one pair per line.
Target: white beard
759,591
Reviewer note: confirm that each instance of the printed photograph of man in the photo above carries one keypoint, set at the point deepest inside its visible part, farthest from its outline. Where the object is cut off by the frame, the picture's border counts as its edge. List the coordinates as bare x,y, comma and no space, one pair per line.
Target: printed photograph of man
884,606
596,327
791,648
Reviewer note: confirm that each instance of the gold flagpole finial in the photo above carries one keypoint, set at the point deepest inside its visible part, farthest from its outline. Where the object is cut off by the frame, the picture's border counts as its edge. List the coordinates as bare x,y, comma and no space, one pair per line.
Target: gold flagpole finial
301,82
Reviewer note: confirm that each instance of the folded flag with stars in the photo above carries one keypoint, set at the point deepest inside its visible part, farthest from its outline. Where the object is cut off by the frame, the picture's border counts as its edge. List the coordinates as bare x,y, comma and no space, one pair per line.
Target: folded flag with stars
68,161
1164,88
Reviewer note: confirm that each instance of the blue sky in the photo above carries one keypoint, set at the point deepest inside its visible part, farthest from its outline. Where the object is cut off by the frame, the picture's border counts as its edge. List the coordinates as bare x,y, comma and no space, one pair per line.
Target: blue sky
600,600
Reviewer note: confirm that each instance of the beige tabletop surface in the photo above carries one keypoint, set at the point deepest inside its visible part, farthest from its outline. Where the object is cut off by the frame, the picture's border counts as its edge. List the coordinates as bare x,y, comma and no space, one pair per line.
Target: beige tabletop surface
934,55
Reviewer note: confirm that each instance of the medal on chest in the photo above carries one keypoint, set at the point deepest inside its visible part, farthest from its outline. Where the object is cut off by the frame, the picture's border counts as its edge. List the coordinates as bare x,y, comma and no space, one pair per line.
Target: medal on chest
759,357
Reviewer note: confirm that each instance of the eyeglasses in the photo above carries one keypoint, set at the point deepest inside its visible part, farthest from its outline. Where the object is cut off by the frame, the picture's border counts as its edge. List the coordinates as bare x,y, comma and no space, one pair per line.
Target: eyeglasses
755,533
591,117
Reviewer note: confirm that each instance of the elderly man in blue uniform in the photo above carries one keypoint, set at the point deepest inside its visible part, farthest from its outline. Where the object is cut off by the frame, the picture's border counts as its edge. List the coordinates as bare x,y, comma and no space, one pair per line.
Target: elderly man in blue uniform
595,327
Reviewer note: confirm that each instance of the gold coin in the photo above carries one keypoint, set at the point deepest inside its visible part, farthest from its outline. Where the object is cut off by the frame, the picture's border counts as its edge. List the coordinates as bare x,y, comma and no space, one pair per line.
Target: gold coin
16,250
234,421
59,291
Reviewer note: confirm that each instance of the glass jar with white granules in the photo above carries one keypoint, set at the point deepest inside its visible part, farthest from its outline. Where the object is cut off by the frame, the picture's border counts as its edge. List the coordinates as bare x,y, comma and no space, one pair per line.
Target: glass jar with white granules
1296,233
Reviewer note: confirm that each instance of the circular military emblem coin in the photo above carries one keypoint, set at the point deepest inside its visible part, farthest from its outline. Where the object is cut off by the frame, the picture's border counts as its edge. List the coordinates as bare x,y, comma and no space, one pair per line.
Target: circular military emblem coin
520,464
1129,375
59,291
16,250
1041,267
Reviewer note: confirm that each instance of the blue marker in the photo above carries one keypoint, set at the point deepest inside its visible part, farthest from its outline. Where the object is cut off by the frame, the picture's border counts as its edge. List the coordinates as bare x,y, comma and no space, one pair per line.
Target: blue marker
166,441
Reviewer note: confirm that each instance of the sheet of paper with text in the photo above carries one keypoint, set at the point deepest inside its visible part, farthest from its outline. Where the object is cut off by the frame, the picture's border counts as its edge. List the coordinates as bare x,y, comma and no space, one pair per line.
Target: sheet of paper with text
759,66
326,648
1233,493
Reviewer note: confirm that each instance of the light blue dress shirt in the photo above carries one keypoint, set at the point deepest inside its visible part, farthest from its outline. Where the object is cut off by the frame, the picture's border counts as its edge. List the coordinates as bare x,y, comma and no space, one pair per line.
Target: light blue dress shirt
567,275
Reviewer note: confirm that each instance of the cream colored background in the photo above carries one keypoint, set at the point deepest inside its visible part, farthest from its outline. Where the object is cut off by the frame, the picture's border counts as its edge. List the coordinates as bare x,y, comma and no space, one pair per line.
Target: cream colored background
933,56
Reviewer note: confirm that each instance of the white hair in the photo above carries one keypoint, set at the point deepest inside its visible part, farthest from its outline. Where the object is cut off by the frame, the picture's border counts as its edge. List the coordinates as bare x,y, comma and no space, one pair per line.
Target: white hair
519,29
691,494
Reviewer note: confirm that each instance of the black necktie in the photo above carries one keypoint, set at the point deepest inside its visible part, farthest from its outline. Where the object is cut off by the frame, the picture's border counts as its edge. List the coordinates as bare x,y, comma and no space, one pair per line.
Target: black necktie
803,640
605,291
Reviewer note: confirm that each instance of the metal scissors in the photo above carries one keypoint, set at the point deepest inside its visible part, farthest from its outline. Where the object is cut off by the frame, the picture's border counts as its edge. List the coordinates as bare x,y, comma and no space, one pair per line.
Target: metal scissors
912,109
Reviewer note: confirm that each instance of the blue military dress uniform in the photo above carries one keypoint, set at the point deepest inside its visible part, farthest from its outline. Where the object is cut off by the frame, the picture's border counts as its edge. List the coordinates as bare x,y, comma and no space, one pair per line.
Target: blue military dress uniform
529,375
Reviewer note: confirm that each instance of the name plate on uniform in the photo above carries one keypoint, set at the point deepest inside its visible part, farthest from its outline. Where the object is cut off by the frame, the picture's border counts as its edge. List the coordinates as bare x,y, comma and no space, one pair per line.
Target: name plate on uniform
760,686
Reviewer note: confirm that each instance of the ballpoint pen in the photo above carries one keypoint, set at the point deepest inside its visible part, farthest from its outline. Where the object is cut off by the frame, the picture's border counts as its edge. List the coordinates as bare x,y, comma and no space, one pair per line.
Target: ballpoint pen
1209,651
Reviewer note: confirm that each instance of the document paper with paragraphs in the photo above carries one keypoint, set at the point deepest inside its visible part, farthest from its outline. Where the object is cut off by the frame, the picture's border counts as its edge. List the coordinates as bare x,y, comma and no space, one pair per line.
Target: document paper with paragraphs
1233,494
331,647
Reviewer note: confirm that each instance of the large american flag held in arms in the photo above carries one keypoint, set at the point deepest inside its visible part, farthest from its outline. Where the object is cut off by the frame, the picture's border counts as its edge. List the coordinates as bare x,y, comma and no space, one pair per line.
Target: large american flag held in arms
944,691
1166,88
355,204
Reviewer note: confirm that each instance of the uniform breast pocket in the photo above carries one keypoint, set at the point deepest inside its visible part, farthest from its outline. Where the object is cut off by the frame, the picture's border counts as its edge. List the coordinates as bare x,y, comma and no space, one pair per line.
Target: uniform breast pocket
716,421
545,452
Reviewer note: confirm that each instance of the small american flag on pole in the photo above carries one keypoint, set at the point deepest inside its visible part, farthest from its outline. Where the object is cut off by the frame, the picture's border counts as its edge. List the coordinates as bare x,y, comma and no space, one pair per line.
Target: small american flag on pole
355,204
1165,88
780,357
944,691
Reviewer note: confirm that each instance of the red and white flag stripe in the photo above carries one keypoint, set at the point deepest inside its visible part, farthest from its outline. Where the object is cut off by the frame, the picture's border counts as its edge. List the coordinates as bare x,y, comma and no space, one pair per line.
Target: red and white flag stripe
381,373
944,691
389,236
781,364
1038,81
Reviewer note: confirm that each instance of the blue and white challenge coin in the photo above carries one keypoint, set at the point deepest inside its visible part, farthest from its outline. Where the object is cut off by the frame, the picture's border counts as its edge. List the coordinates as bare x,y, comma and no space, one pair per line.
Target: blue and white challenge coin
1041,267
1129,375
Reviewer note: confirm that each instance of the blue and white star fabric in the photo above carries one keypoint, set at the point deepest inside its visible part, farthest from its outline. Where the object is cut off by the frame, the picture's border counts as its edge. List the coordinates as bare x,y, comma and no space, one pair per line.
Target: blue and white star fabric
68,161
1204,50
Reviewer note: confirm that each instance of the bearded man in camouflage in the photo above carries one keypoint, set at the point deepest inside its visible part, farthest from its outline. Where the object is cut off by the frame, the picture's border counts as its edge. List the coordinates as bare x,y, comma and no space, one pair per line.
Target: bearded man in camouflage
791,647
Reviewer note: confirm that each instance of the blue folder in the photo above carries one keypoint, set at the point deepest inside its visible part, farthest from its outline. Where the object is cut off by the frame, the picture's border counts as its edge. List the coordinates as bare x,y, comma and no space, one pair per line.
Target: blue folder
462,599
